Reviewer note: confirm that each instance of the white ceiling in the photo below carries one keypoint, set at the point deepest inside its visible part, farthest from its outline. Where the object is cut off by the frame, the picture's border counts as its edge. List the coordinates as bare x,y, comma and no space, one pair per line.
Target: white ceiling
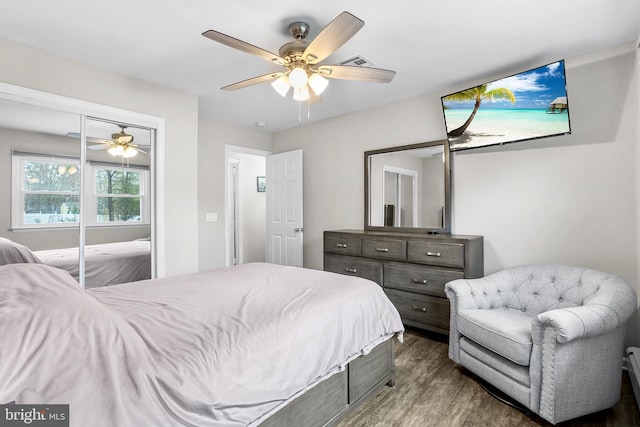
433,46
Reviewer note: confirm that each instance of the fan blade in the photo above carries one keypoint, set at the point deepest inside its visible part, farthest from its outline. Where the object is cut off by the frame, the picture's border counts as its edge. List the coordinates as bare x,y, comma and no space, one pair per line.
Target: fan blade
243,46
89,138
334,35
253,81
99,147
140,150
349,72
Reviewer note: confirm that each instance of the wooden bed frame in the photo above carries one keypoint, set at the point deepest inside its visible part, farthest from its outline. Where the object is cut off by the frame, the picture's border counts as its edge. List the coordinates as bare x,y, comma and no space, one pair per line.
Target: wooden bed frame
330,401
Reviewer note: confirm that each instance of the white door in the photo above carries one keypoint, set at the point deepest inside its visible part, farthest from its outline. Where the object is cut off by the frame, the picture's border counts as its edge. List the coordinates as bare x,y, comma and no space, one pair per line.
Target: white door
284,208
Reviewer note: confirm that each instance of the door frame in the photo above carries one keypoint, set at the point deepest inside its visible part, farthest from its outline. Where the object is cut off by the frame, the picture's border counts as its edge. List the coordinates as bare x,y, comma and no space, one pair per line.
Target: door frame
229,151
86,109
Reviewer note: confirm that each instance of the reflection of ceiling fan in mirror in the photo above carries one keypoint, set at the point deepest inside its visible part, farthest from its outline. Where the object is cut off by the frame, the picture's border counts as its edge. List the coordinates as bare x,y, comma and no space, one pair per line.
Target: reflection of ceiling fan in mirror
302,60
120,144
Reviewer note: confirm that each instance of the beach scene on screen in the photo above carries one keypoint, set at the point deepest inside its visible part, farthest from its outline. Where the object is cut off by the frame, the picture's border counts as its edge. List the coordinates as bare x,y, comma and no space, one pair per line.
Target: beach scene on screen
529,105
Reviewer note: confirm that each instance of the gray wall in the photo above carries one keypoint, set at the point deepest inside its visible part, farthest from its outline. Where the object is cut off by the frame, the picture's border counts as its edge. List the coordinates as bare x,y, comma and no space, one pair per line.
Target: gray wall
569,199
212,137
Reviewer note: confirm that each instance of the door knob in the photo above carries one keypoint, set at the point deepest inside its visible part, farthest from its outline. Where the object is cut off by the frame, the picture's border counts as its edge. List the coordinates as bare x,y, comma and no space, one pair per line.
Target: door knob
298,230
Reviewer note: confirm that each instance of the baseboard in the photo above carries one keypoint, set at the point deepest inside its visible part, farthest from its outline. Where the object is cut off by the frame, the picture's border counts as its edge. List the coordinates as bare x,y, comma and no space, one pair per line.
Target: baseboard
633,368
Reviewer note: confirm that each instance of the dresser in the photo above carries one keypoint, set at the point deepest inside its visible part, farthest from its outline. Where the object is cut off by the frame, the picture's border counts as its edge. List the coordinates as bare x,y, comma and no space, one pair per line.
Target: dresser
411,268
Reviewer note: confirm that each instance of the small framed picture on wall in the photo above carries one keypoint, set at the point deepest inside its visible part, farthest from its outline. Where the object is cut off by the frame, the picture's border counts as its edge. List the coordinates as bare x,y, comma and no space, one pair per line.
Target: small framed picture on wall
262,184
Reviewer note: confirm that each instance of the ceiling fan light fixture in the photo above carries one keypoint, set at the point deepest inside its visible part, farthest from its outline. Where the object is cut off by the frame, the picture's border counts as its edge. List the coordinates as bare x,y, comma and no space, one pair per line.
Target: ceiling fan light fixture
129,152
116,150
318,83
301,94
281,85
298,78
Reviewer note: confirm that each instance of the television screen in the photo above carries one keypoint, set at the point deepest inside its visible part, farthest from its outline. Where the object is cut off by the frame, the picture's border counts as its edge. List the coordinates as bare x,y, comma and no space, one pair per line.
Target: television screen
529,105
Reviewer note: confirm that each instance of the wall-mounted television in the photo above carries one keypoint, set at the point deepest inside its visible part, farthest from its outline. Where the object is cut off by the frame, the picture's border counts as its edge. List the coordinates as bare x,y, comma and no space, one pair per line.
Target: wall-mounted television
528,105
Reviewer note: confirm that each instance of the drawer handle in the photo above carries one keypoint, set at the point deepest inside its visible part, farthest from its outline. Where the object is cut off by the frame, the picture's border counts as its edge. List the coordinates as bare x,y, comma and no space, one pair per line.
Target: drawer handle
382,249
436,254
341,245
420,281
418,308
350,270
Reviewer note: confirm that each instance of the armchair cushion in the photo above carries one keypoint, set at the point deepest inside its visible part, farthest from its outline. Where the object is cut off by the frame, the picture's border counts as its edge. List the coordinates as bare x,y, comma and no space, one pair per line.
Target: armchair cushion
505,332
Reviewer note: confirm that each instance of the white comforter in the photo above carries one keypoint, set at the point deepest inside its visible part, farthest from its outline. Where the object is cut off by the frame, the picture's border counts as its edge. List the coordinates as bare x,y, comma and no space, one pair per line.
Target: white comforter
222,348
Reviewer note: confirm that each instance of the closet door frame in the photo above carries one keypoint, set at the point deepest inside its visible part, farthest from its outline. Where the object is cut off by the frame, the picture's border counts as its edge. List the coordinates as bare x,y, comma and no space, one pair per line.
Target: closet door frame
87,109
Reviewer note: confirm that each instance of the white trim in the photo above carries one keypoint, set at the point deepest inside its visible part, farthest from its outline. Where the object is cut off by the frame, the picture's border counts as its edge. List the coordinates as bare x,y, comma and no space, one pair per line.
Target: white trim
232,251
85,108
82,201
77,106
244,150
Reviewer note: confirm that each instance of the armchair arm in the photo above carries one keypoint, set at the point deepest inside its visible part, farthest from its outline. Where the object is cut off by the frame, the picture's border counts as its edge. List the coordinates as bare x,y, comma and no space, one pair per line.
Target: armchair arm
579,322
605,310
459,294
473,293
462,295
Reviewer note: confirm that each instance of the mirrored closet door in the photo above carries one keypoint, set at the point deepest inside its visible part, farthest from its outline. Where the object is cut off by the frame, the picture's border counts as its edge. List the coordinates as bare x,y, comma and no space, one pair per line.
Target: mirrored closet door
117,202
40,191
78,191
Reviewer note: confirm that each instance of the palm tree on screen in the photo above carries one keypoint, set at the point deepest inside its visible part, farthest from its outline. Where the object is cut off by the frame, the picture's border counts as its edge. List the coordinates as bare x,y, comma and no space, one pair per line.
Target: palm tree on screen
477,94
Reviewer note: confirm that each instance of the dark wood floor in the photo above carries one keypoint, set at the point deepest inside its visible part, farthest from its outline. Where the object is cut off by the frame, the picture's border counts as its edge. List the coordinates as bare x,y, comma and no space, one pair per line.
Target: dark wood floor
432,391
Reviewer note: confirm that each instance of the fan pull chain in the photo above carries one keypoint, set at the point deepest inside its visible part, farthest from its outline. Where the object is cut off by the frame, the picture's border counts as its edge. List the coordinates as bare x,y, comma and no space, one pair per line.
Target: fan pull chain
300,110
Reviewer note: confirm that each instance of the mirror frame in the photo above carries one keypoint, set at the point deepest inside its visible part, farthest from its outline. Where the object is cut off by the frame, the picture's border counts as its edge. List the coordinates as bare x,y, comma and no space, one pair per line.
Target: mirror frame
447,189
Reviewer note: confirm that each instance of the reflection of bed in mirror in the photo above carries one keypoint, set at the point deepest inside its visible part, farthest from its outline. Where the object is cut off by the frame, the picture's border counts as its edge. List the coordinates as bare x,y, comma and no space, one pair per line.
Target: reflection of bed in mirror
105,264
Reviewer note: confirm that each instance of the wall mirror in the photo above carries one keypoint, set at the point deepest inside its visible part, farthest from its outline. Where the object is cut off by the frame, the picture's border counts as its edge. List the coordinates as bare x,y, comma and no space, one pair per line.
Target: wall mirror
408,188
72,201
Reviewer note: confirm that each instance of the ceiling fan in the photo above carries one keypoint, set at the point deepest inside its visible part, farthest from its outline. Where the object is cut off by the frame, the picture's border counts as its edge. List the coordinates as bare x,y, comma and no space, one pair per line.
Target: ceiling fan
302,60
120,144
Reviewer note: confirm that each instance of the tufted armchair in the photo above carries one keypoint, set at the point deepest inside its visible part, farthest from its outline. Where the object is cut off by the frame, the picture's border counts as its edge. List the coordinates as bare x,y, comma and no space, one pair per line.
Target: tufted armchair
549,336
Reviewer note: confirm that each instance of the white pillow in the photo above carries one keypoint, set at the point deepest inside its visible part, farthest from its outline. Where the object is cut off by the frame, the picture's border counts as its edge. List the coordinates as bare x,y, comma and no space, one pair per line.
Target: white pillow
15,253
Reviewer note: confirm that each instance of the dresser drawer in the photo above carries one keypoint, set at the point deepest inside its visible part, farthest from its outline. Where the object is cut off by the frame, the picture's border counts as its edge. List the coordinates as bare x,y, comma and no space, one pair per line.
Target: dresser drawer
436,253
388,249
352,266
342,245
414,278
421,308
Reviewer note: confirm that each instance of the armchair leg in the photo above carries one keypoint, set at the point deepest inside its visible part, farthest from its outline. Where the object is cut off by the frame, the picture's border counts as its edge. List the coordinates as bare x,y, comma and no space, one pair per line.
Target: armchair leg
500,396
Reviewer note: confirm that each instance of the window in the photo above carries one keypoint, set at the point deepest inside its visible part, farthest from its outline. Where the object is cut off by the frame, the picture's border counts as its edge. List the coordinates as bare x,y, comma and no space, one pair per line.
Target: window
119,195
46,193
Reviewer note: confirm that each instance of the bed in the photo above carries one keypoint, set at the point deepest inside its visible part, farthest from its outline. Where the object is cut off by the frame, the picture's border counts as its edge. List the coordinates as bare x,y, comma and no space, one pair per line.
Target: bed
105,264
237,346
